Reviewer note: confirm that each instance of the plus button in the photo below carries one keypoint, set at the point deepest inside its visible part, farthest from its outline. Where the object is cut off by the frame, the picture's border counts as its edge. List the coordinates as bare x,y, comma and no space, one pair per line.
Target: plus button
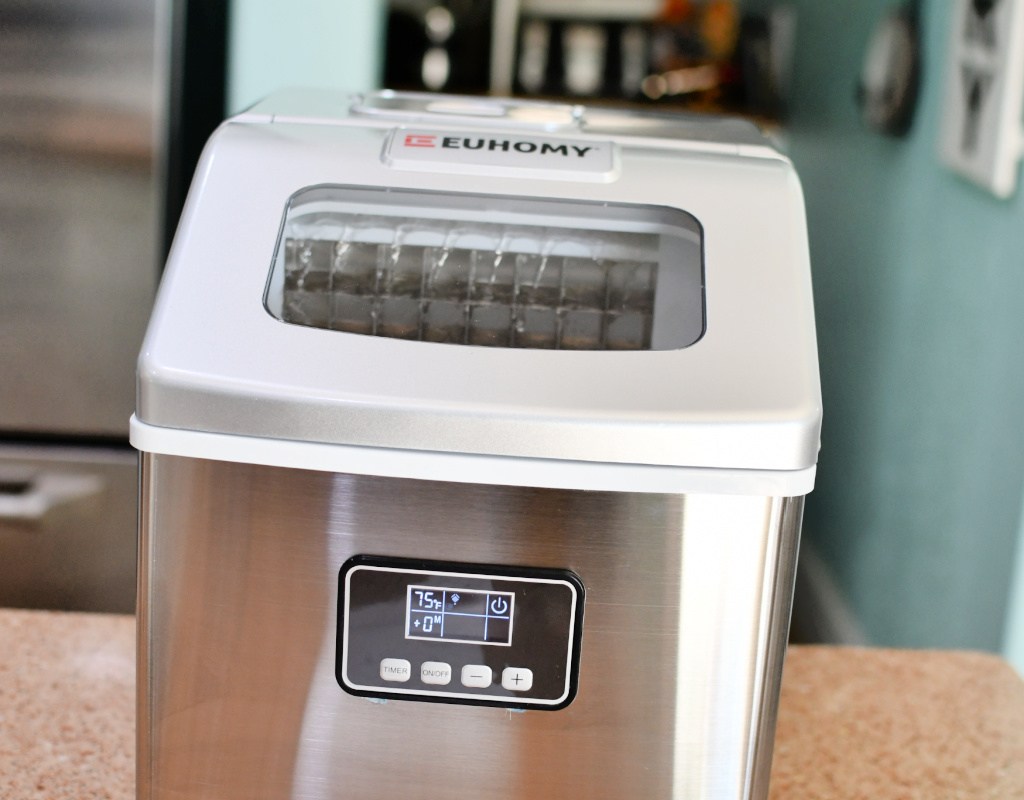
517,679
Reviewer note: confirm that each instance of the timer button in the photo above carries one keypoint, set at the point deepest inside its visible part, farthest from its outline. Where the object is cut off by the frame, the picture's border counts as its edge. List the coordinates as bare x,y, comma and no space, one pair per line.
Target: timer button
396,670
436,672
517,679
476,676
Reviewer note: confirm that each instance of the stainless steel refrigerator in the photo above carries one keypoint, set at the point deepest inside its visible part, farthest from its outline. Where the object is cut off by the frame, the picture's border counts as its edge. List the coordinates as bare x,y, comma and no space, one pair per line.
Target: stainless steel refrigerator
82,92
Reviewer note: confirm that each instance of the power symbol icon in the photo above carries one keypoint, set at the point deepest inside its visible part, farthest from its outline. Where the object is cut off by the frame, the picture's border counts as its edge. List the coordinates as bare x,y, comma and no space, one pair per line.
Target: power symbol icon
499,605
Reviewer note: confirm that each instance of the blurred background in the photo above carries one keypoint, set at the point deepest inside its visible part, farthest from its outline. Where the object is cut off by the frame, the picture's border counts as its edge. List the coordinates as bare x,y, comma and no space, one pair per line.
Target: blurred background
914,535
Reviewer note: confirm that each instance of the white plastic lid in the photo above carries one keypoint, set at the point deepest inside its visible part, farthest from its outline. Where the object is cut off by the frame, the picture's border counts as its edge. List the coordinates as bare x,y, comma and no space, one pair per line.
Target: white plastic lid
743,395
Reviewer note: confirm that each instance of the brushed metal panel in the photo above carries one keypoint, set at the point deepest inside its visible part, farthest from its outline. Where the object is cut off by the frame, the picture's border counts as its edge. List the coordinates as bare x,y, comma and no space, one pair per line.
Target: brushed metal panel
79,86
783,563
237,613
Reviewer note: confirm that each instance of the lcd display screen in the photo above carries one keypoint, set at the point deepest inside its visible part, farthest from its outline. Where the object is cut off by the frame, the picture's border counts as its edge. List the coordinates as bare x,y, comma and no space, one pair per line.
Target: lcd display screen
459,615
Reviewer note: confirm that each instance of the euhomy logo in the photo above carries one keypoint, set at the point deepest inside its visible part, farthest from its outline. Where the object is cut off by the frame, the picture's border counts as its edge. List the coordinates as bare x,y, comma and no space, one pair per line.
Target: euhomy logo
524,146
419,140
504,152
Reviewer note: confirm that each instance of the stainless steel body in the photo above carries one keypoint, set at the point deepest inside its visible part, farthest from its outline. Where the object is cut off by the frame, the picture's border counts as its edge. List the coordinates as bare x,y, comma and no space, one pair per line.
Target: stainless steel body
687,607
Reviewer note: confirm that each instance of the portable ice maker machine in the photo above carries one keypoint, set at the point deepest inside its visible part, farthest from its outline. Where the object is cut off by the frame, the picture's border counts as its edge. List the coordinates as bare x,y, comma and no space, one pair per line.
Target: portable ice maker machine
475,435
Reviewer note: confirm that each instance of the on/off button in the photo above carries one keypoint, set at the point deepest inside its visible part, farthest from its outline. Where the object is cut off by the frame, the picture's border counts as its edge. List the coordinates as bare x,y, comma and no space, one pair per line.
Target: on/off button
396,670
436,672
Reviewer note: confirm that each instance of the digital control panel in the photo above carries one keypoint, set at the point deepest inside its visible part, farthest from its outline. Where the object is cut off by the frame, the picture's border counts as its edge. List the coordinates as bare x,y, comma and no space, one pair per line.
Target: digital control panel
459,633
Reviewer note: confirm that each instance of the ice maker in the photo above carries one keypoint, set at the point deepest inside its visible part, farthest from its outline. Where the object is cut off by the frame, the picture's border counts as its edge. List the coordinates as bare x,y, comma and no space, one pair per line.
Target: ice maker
474,440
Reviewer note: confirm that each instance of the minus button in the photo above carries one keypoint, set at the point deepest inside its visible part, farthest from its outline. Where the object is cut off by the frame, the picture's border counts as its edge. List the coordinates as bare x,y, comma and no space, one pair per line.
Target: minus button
476,676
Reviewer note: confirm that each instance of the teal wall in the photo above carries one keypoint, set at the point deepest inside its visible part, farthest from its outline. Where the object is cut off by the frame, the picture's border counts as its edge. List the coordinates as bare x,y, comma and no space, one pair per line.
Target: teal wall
310,43
919,286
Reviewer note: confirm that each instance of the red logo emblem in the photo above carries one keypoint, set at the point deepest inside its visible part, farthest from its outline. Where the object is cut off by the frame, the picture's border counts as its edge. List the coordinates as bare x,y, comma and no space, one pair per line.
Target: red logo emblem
420,140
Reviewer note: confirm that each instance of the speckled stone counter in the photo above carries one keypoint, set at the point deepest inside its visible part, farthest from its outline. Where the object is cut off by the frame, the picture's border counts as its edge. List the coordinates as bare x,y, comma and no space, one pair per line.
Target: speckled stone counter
867,724
854,724
67,706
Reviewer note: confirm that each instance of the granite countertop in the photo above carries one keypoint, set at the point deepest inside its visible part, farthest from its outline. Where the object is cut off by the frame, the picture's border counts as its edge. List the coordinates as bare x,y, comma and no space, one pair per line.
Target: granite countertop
854,724
67,706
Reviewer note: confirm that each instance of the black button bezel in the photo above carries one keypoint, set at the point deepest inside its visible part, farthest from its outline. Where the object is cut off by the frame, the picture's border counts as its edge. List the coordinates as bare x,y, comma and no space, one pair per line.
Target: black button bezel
411,691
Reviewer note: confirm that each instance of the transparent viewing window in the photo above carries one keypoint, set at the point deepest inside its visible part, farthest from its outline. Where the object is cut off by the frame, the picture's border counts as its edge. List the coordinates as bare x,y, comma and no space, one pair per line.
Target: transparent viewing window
489,270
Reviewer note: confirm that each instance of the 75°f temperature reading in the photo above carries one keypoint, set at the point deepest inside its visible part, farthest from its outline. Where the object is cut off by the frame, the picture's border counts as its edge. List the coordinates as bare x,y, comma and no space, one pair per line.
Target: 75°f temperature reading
459,615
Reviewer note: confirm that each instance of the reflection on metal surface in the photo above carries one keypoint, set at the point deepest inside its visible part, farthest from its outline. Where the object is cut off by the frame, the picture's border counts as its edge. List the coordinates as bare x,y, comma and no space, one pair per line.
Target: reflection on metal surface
777,608
33,498
67,528
237,617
